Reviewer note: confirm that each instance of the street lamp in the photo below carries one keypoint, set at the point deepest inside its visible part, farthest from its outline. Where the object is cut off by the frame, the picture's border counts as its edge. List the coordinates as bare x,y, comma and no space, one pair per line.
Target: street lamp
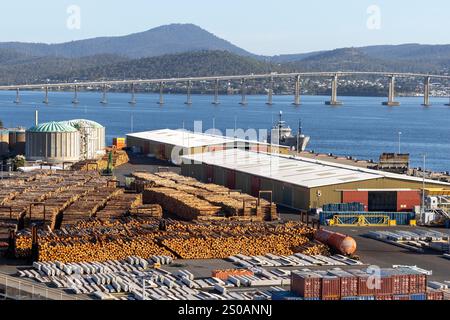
423,183
399,142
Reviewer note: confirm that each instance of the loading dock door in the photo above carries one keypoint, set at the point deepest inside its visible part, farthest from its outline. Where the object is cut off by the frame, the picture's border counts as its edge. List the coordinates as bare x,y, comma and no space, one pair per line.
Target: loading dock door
231,179
287,196
380,201
256,186
209,174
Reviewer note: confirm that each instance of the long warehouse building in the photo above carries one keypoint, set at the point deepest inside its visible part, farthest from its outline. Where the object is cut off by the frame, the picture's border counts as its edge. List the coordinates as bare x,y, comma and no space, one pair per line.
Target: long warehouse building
170,145
303,183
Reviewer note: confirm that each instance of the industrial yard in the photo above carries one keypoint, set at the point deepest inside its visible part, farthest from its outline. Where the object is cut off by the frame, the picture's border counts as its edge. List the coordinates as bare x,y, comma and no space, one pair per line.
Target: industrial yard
216,222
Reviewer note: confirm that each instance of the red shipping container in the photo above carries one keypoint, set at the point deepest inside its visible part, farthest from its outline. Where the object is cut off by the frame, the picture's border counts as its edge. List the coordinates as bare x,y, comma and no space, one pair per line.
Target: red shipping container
422,283
349,283
331,288
306,284
385,285
399,279
435,295
365,285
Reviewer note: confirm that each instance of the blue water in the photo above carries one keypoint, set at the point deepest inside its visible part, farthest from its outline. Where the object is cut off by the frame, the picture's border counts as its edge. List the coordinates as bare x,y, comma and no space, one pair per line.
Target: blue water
362,127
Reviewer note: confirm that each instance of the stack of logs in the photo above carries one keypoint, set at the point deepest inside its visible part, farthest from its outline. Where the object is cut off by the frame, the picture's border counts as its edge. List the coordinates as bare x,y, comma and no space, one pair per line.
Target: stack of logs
99,240
190,199
120,157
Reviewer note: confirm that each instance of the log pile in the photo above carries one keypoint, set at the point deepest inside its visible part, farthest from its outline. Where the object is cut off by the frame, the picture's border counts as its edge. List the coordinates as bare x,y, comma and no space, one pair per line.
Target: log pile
98,240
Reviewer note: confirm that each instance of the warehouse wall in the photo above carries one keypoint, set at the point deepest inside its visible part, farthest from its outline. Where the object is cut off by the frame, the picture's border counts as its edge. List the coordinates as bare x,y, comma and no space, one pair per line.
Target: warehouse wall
330,195
297,197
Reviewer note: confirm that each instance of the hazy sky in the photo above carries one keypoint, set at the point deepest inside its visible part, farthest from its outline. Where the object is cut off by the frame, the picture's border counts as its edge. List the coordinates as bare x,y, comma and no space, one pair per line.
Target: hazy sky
260,26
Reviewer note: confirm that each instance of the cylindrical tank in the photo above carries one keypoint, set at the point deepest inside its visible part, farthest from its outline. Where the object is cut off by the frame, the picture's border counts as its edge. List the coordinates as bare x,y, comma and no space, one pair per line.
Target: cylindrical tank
4,142
17,141
340,242
93,137
53,142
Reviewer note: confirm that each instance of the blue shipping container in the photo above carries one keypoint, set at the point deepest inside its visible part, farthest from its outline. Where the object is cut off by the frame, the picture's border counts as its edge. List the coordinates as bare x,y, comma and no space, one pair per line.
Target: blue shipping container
418,296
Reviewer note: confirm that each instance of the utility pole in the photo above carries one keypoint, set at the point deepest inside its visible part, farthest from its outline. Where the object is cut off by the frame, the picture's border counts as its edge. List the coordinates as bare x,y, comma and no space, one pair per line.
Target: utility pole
423,183
399,142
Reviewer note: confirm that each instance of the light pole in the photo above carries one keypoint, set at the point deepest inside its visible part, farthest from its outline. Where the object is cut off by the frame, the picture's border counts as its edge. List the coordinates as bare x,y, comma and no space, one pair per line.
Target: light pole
399,141
423,183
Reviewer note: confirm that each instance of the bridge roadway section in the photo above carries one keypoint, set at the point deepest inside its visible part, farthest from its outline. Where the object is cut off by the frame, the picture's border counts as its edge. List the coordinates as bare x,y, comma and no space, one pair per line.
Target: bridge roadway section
243,78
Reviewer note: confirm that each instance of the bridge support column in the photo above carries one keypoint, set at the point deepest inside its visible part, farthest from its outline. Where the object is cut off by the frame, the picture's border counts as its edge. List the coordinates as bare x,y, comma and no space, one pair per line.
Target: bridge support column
426,92
216,93
133,95
334,85
75,97
188,98
391,97
161,94
46,96
243,93
270,93
17,101
104,97
297,91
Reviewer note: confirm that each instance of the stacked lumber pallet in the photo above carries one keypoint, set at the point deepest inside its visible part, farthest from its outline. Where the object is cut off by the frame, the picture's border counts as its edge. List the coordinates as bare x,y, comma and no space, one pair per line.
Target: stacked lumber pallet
87,205
232,203
147,211
119,205
179,203
119,158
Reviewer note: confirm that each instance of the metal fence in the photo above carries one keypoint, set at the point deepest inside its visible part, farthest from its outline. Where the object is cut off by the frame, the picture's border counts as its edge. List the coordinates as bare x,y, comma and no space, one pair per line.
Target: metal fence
16,289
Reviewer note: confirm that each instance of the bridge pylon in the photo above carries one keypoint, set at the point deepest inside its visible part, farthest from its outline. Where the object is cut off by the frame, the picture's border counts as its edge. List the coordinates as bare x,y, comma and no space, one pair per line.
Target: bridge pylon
216,93
133,95
243,93
75,97
297,91
46,96
188,97
17,100
104,97
270,93
426,92
391,96
161,94
334,86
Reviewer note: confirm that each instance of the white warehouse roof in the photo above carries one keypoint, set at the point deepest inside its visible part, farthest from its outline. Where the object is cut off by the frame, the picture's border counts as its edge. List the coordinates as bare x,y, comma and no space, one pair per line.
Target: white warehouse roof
186,139
299,171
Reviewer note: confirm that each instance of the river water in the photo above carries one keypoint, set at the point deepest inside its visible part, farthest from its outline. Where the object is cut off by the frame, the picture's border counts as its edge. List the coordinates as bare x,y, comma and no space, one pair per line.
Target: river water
362,127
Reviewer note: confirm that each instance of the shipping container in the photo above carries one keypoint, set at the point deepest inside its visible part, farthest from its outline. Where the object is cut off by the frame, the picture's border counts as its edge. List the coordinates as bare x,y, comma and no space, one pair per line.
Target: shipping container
402,297
435,294
418,296
384,297
306,284
331,288
365,285
348,283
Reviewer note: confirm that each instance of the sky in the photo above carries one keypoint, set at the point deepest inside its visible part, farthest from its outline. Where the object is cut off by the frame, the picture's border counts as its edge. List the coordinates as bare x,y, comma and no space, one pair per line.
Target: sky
266,27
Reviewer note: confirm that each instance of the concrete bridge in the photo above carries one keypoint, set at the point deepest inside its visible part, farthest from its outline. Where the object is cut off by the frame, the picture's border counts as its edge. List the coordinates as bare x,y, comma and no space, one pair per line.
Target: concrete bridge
391,77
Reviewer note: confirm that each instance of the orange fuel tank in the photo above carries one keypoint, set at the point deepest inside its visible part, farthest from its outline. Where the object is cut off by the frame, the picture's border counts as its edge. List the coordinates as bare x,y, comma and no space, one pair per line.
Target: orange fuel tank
343,244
